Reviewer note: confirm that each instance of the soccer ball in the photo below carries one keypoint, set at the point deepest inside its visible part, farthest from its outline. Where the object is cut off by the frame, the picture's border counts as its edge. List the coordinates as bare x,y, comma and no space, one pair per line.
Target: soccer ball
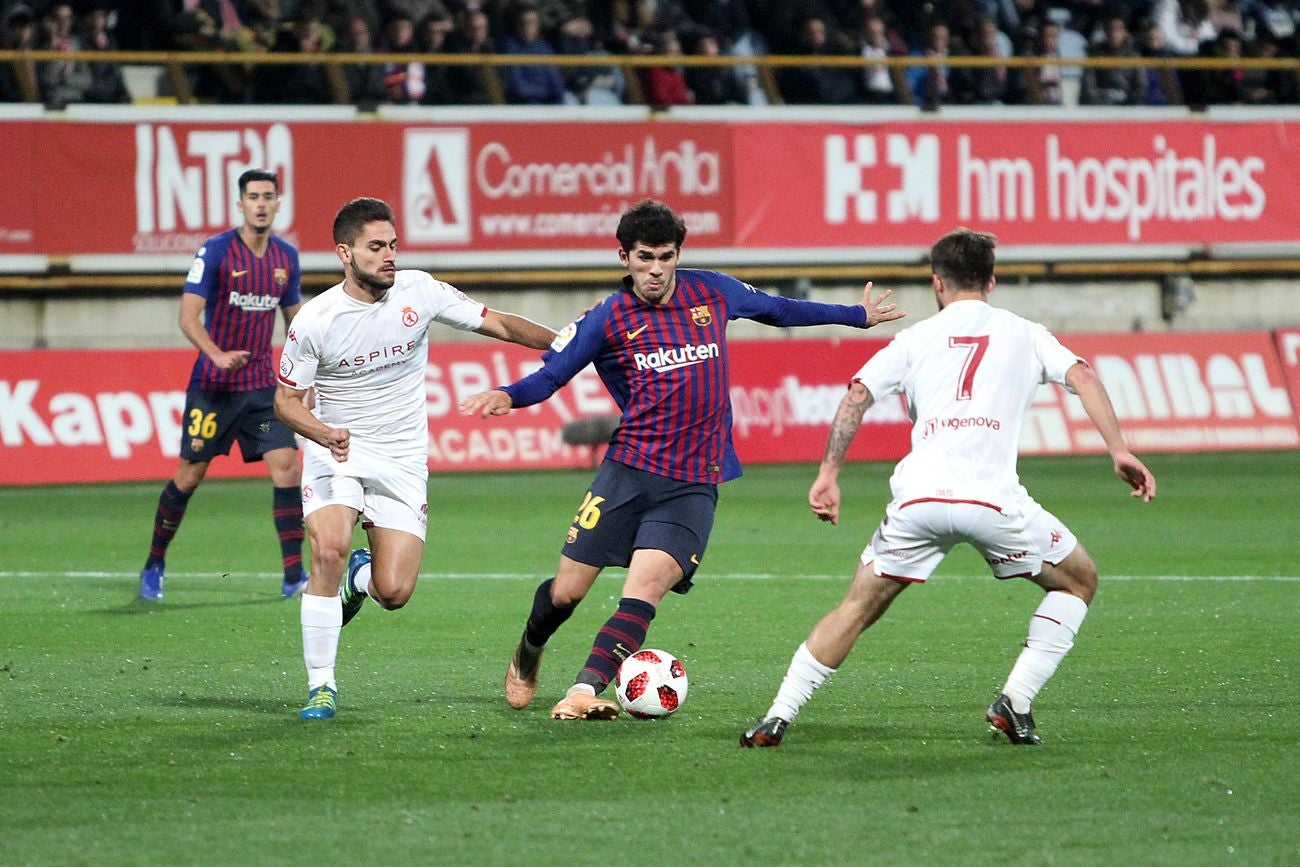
651,683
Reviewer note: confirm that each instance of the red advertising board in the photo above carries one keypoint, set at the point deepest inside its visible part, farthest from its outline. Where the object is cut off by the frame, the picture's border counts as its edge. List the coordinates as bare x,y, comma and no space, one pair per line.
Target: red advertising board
115,415
1184,392
501,193
1288,352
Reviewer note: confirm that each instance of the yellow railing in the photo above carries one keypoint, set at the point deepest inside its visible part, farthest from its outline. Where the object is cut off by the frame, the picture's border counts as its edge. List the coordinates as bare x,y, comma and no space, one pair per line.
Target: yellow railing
175,64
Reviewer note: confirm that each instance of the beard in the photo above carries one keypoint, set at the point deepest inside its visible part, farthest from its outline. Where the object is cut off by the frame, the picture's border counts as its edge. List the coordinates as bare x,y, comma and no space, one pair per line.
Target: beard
374,282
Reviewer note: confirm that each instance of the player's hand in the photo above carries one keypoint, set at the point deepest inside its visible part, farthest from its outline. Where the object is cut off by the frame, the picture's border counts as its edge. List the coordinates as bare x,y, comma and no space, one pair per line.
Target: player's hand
877,310
824,498
486,403
1139,478
337,441
231,361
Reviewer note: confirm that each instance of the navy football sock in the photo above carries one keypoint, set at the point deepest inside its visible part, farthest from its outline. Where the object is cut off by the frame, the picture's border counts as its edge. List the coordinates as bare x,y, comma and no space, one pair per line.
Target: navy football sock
286,508
620,637
166,521
546,616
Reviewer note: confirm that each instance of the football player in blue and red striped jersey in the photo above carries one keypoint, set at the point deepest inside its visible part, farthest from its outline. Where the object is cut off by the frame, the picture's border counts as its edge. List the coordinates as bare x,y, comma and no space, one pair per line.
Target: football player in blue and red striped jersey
659,345
238,281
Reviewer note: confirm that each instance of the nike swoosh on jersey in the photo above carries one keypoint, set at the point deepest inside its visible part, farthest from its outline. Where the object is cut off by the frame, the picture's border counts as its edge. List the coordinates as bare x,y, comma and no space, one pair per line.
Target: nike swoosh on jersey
633,335
234,274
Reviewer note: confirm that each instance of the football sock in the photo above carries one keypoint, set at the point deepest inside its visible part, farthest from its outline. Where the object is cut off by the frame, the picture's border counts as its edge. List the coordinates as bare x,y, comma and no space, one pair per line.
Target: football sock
287,511
620,637
801,679
546,617
361,580
322,620
171,509
1051,635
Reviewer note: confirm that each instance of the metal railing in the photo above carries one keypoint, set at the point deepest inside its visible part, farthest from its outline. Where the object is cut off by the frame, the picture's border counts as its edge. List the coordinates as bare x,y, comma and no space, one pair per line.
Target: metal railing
177,63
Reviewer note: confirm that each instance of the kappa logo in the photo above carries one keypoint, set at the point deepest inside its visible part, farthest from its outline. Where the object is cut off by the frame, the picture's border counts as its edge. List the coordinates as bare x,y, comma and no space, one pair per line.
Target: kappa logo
1056,537
234,274
908,174
633,335
435,186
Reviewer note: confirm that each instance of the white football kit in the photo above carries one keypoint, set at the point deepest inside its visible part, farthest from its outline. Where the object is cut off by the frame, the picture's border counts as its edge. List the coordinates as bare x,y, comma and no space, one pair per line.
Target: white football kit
367,363
969,374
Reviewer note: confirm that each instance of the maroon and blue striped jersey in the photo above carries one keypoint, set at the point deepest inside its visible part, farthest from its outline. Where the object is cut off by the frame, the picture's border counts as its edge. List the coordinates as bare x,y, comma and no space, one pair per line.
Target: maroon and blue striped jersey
666,368
244,292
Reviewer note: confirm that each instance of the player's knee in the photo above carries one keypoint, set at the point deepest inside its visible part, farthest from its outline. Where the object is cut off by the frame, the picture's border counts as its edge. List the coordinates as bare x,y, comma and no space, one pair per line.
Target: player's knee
389,600
329,557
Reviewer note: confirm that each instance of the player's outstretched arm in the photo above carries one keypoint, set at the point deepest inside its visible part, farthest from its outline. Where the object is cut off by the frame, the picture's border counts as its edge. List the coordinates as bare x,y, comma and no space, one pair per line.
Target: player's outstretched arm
486,403
291,408
1096,402
516,329
877,310
824,495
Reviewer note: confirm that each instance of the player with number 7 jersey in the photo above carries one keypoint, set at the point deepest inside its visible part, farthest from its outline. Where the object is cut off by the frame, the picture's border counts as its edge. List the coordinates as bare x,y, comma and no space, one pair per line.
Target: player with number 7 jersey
969,374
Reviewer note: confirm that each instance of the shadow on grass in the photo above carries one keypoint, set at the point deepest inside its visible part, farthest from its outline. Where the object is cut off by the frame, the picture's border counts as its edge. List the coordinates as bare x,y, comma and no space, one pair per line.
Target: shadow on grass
139,606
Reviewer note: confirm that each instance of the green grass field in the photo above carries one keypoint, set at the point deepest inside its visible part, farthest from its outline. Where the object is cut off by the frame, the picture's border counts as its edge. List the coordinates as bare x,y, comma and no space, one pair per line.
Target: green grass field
133,733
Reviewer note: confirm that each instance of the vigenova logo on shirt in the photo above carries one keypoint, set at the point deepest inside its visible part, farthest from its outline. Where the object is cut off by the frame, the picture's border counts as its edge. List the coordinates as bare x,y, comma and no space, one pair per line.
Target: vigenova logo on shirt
252,301
666,358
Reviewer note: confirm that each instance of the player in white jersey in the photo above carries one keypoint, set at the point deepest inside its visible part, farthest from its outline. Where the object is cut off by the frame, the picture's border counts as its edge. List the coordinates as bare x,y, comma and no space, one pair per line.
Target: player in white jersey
362,348
969,374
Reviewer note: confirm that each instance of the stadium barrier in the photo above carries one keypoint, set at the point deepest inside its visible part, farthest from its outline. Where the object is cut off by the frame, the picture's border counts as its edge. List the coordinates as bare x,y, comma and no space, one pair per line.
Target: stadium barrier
178,65
90,416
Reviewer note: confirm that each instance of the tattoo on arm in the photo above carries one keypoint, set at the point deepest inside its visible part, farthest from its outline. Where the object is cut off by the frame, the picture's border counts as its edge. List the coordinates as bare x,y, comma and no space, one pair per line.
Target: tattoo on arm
848,418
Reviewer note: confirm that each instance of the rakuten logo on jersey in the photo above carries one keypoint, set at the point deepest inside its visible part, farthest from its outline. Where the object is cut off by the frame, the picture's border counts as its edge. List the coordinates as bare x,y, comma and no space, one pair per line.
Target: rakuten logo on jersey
909,173
253,301
186,181
665,358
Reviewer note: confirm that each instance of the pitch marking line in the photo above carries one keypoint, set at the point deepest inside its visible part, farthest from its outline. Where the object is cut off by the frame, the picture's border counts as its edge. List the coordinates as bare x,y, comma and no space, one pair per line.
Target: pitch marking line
537,576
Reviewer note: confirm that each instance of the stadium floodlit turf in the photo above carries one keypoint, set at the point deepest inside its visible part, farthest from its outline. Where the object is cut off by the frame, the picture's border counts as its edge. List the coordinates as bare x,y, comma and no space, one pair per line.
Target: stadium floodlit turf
135,733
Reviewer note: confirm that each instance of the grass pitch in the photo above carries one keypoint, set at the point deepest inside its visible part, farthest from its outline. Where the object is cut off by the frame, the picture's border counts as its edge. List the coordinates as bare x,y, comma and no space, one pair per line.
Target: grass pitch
133,733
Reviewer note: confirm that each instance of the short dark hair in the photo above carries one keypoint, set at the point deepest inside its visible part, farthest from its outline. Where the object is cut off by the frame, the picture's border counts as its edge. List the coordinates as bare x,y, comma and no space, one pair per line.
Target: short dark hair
651,223
257,175
964,259
357,214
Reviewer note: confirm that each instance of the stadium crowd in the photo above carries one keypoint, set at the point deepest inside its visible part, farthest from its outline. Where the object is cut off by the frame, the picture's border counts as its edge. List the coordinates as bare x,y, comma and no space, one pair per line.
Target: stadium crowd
1064,29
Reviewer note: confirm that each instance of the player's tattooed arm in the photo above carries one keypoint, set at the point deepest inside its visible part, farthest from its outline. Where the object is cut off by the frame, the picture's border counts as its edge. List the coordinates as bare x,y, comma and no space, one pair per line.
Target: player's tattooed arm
824,495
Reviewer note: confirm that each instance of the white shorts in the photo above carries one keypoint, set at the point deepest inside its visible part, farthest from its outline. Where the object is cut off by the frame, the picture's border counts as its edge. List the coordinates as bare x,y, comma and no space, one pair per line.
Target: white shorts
915,536
395,495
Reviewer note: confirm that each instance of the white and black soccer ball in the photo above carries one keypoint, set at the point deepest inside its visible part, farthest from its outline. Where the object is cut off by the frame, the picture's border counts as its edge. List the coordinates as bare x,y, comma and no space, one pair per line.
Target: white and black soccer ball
650,684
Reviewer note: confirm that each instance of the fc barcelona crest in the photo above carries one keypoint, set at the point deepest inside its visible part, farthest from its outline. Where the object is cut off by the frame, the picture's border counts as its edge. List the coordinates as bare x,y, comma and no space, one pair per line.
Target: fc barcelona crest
281,276
701,315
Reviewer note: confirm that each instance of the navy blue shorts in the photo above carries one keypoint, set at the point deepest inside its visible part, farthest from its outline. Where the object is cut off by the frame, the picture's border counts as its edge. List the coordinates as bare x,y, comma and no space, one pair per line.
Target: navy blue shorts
627,509
214,420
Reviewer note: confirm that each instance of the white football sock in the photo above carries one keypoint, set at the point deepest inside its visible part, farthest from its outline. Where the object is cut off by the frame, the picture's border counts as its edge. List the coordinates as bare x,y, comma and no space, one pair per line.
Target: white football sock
361,580
1051,635
322,621
804,675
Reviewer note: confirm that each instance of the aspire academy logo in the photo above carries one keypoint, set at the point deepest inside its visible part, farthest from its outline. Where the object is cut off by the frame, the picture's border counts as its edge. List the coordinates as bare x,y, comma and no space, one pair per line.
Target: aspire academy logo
435,186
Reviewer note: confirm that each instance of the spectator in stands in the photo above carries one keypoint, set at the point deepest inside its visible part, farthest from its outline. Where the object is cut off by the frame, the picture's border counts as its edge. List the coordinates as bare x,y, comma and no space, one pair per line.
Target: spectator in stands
338,15
1163,86
1113,85
1226,86
1043,86
817,85
984,85
665,86
712,85
1268,86
107,85
432,39
299,83
573,31
365,81
403,82
472,36
877,80
61,81
534,84
1185,24
19,34
729,23
932,85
